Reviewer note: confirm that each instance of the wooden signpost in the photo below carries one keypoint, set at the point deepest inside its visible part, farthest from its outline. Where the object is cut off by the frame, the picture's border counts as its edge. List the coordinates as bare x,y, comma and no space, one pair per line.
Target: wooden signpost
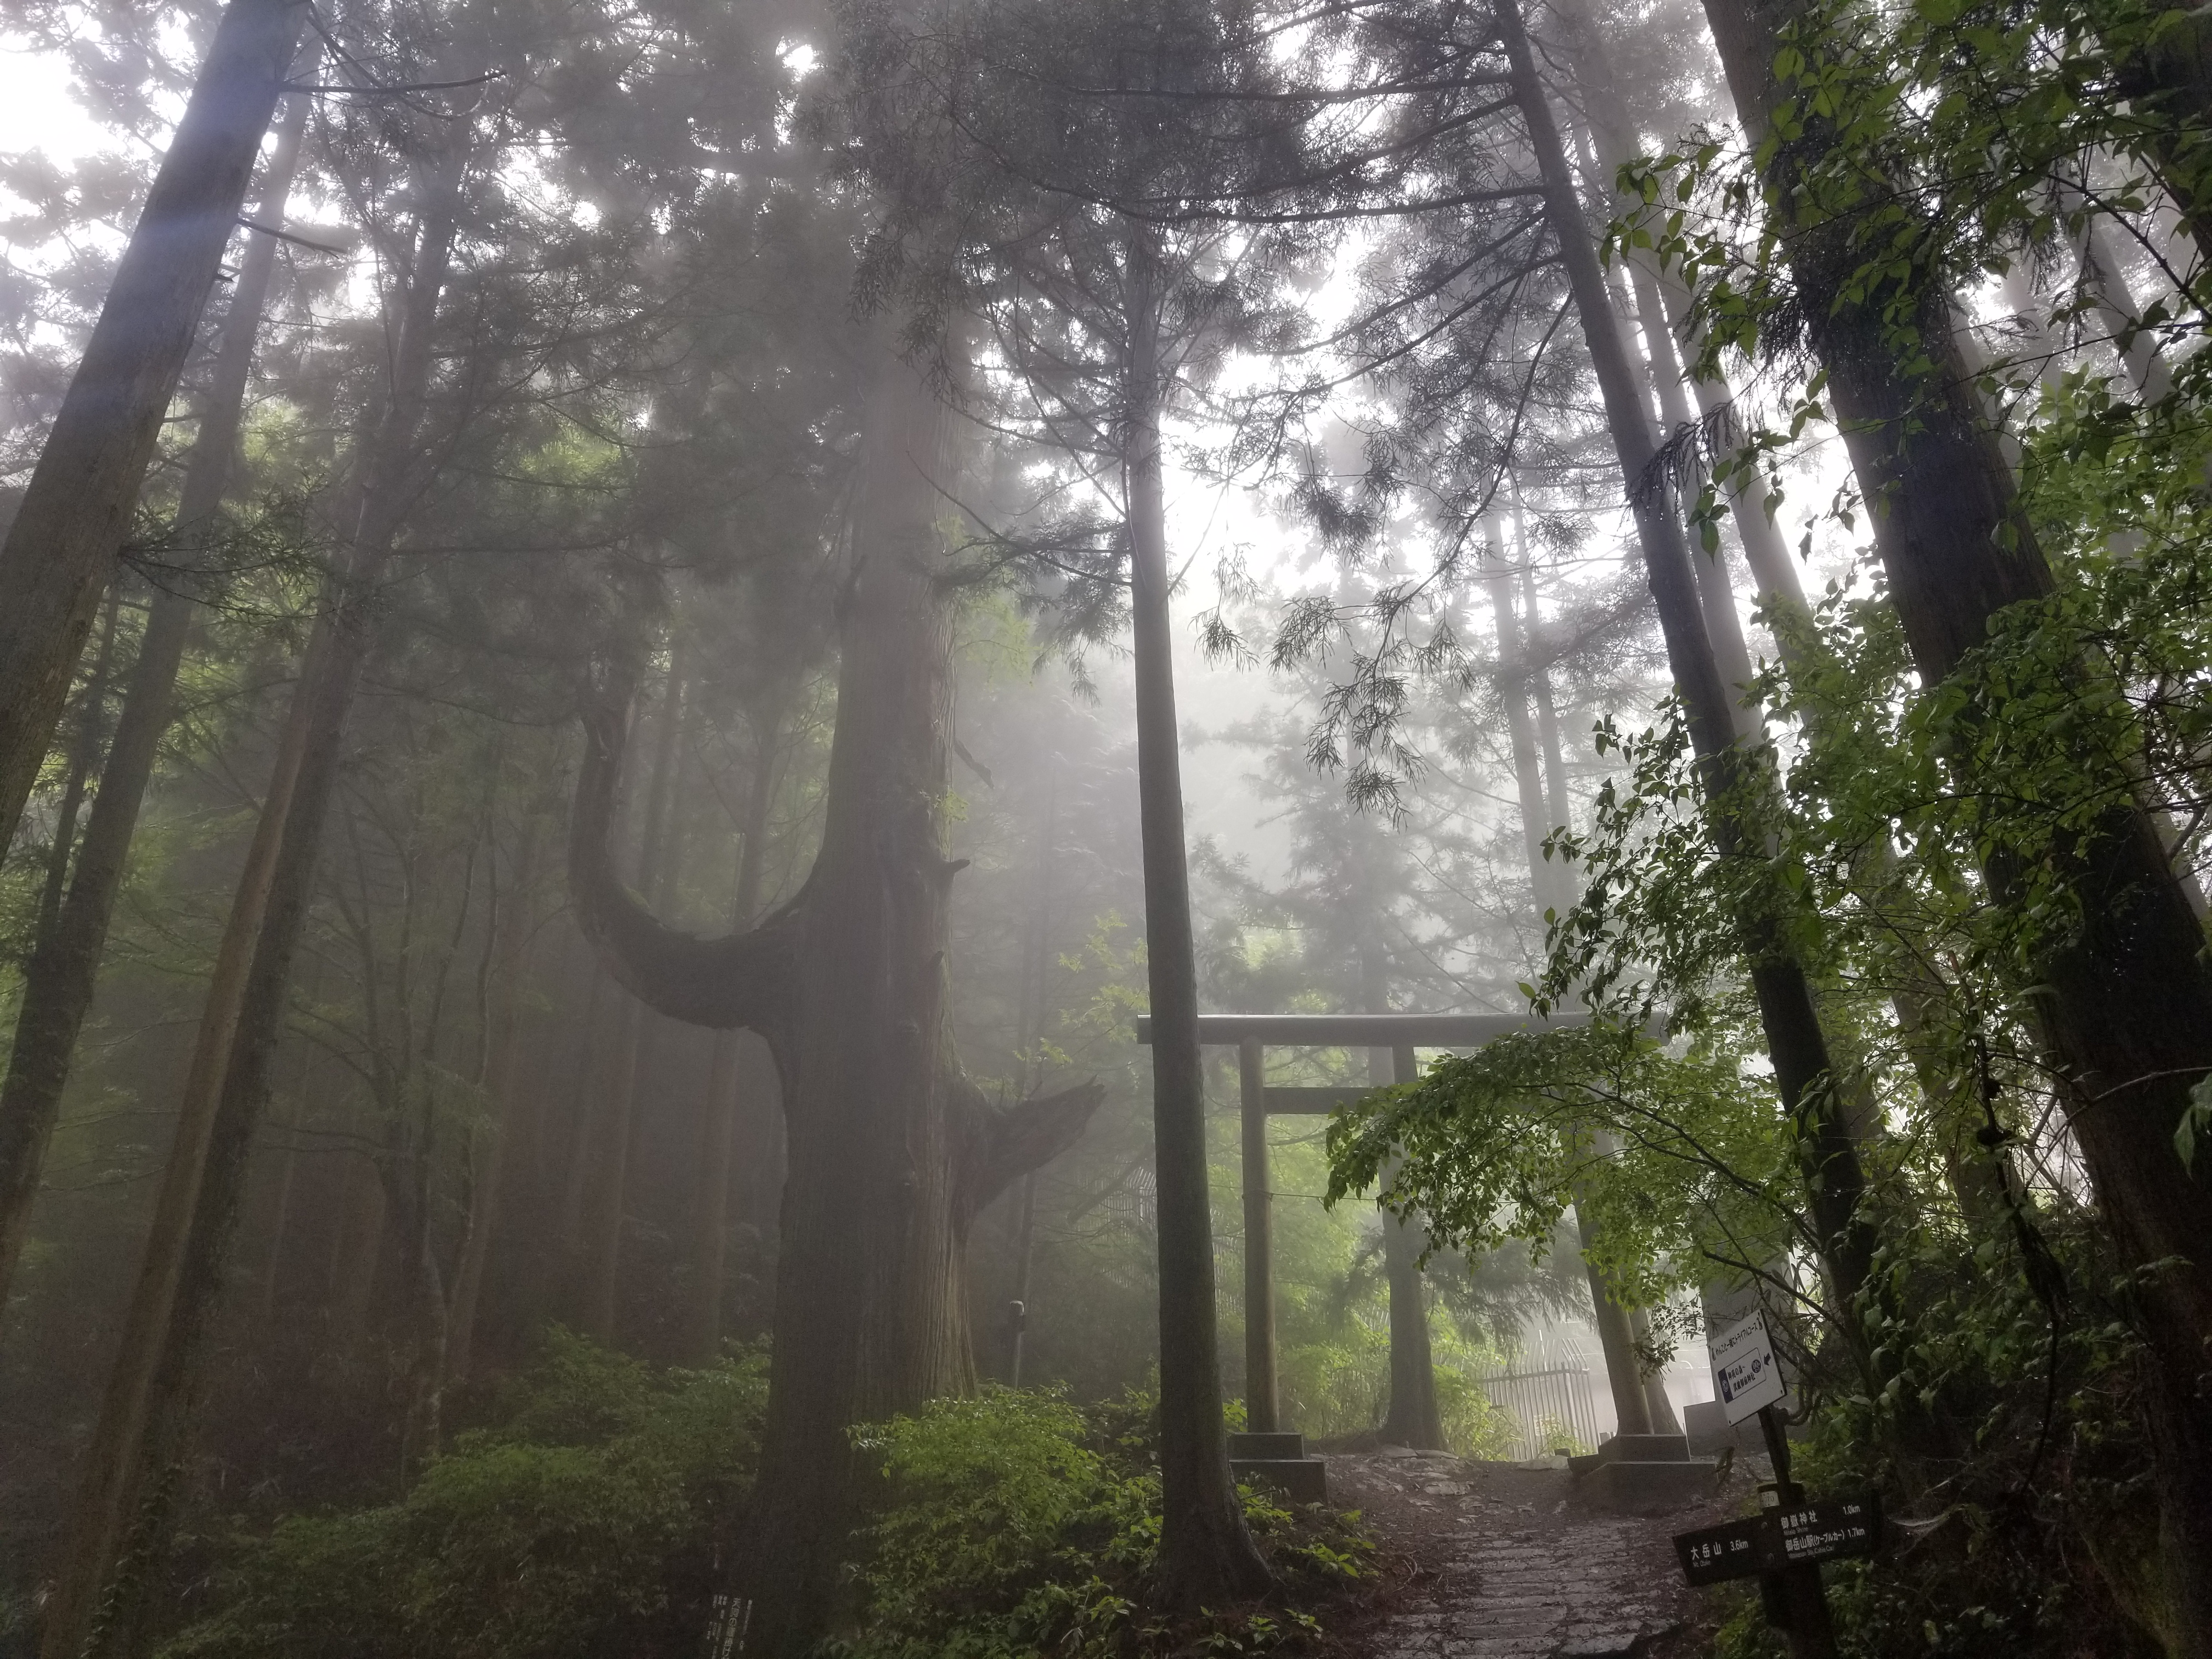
1828,1529
1739,1549
1783,1546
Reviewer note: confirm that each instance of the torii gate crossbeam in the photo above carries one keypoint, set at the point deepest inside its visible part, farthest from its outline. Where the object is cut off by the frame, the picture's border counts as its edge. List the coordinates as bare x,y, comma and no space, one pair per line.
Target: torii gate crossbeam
1252,1035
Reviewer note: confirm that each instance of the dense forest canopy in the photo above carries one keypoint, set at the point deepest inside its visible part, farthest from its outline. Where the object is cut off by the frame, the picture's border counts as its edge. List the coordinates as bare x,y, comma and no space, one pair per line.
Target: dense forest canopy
664,669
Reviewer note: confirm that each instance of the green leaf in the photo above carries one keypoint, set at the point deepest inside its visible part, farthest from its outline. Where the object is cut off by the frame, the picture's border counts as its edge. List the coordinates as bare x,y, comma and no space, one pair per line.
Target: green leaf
2195,1117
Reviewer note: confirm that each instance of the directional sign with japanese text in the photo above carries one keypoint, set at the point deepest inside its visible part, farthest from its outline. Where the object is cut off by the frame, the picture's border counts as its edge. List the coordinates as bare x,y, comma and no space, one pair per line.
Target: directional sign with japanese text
1741,1549
1830,1528
1745,1375
1825,1529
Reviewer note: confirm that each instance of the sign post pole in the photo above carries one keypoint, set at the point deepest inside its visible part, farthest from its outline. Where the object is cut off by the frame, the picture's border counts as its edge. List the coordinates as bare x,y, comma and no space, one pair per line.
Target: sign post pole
1784,1547
1795,1592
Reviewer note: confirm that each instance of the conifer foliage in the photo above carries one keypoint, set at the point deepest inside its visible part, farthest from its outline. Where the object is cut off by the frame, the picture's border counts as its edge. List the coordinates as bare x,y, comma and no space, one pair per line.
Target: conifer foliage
580,862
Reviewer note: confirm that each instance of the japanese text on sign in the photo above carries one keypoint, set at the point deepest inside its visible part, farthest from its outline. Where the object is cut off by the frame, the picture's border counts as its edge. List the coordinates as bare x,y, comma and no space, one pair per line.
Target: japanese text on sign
1740,1549
1830,1529
1745,1375
1826,1529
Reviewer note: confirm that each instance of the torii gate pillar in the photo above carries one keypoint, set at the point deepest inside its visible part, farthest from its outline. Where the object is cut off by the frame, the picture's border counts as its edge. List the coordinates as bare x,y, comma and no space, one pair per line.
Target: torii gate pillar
1252,1035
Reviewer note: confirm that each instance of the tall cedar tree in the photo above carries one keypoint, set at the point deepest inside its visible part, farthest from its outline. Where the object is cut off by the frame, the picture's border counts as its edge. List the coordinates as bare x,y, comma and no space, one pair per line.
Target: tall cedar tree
892,1150
1472,146
2126,996
61,549
60,981
133,1467
1030,168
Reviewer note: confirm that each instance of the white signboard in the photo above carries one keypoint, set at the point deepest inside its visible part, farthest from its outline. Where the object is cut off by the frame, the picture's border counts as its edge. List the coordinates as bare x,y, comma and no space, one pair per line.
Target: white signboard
1745,1375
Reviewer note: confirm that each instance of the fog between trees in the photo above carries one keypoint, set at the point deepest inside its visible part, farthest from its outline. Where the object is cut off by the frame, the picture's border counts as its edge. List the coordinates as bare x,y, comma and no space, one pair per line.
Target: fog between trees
631,639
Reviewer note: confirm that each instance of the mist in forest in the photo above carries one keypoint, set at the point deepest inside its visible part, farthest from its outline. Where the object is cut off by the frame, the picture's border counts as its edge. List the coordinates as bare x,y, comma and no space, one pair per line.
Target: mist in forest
859,828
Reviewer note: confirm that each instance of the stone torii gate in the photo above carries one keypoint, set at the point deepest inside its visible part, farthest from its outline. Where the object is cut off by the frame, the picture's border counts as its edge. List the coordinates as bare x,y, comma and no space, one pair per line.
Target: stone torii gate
1252,1035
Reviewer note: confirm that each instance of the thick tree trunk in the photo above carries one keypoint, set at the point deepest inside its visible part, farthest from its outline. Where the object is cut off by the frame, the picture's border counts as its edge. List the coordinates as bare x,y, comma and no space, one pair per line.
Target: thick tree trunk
1661,309
1616,1340
718,1118
2174,79
59,983
1206,1555
1795,1045
1665,308
891,1150
1656,1405
61,549
134,1463
867,1320
870,1313
710,1200
2127,1002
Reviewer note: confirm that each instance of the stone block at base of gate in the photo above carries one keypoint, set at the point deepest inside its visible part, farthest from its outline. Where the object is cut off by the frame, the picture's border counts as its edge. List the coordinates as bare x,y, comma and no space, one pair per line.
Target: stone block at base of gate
1643,1474
1634,1449
1244,1446
1645,1449
1710,1433
1279,1460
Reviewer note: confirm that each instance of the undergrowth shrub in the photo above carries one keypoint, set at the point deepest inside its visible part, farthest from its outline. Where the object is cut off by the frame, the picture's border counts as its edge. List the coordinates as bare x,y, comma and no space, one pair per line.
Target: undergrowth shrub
2028,1523
1015,1523
586,1521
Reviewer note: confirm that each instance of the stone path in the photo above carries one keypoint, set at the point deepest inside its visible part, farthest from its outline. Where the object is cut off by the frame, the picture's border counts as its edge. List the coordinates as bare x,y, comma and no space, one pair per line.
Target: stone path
1501,1562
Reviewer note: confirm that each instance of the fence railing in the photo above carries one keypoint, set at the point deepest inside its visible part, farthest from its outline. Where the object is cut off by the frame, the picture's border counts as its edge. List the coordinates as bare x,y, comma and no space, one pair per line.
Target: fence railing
1550,1406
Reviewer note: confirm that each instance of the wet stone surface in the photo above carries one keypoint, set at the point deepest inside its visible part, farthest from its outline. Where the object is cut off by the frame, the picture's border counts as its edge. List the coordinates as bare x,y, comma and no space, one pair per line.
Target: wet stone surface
1501,1562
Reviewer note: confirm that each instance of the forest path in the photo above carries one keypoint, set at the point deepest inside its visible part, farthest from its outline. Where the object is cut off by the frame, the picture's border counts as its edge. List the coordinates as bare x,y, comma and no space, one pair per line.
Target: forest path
1501,1562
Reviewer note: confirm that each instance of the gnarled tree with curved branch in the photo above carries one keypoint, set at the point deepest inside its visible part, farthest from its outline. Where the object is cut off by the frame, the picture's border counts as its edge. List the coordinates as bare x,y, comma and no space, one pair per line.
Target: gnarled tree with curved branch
893,1150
